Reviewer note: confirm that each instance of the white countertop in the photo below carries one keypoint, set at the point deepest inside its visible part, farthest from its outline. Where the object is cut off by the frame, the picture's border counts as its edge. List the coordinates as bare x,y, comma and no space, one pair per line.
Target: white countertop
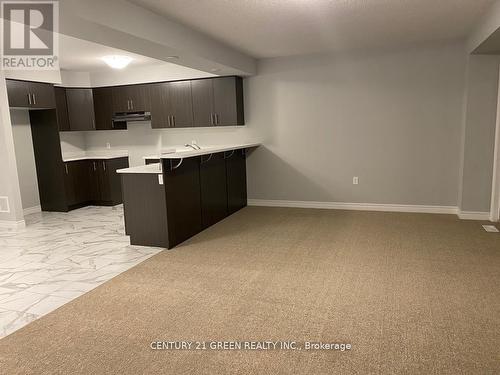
90,155
149,168
206,151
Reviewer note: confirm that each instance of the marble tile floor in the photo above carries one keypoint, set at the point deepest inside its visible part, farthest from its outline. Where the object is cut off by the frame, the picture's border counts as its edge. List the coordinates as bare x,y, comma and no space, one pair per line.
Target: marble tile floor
58,257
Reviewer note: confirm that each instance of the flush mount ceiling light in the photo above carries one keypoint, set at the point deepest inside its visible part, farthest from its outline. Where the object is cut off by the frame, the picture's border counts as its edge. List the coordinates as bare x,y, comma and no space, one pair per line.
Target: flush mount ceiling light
117,61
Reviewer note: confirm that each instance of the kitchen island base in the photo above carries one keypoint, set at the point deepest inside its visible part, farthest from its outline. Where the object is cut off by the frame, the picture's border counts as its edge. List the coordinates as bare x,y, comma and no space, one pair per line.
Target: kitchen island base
167,203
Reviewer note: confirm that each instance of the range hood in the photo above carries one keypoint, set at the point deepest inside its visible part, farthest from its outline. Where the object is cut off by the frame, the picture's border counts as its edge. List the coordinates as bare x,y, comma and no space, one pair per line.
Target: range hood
131,116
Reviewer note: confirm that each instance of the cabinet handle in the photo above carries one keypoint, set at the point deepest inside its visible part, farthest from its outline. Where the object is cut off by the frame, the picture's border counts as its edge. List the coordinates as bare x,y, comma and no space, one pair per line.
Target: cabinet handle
29,98
173,120
168,121
34,99
212,119
131,104
216,119
230,155
104,165
172,167
66,168
94,165
205,161
128,104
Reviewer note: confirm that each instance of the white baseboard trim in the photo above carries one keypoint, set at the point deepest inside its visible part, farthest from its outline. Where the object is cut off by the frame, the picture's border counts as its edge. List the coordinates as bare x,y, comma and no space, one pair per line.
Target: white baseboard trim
32,210
471,215
356,206
7,224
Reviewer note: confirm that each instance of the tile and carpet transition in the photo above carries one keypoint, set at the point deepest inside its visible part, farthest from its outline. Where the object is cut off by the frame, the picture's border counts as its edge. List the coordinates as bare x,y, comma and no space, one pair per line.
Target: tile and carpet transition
412,294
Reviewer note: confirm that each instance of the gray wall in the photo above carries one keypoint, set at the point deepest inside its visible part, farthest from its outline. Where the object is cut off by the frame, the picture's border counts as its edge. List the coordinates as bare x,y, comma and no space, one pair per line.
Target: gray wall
25,158
479,140
394,119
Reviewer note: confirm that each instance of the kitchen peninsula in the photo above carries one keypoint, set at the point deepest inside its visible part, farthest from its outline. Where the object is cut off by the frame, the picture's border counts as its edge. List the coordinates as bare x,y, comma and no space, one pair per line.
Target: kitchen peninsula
168,202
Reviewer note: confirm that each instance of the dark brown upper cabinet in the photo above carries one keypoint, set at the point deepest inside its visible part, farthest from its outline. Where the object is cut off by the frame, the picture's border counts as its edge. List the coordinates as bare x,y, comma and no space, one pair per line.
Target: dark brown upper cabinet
228,101
171,105
80,109
203,102
132,98
61,109
218,101
33,95
103,109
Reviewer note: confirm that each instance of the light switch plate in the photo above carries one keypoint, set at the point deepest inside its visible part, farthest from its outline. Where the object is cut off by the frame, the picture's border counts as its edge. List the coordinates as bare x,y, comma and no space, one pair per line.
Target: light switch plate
4,204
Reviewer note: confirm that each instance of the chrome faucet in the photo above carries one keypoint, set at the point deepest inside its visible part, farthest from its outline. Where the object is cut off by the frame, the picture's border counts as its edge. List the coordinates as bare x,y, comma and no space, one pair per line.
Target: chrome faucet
193,146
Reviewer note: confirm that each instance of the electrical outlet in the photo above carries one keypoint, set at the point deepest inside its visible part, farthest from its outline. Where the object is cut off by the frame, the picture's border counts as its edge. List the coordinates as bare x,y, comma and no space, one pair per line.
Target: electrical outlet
355,180
108,145
4,204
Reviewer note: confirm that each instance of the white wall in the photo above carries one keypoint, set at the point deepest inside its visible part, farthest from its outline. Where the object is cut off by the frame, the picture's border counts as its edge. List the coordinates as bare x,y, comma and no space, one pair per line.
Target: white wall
140,140
479,141
25,158
72,142
144,74
393,119
75,79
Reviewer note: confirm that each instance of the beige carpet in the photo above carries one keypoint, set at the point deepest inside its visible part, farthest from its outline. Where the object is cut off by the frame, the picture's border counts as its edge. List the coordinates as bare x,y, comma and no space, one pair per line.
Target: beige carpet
412,293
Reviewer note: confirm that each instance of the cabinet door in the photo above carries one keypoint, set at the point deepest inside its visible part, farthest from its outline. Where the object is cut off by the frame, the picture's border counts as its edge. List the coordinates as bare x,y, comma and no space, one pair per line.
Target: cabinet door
81,181
121,101
171,105
180,103
18,93
94,191
202,92
139,98
110,188
228,101
103,178
103,108
42,95
133,98
76,182
236,175
160,114
213,189
61,109
69,183
182,191
80,109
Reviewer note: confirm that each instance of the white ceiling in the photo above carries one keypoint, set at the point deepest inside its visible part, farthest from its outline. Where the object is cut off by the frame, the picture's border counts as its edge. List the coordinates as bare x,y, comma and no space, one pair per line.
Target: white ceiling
81,55
270,28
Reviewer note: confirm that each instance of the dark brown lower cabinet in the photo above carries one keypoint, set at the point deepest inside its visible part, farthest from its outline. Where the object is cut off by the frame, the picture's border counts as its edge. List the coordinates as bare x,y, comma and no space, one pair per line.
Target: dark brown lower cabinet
236,180
213,189
183,203
193,194
145,219
110,188
93,182
76,183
